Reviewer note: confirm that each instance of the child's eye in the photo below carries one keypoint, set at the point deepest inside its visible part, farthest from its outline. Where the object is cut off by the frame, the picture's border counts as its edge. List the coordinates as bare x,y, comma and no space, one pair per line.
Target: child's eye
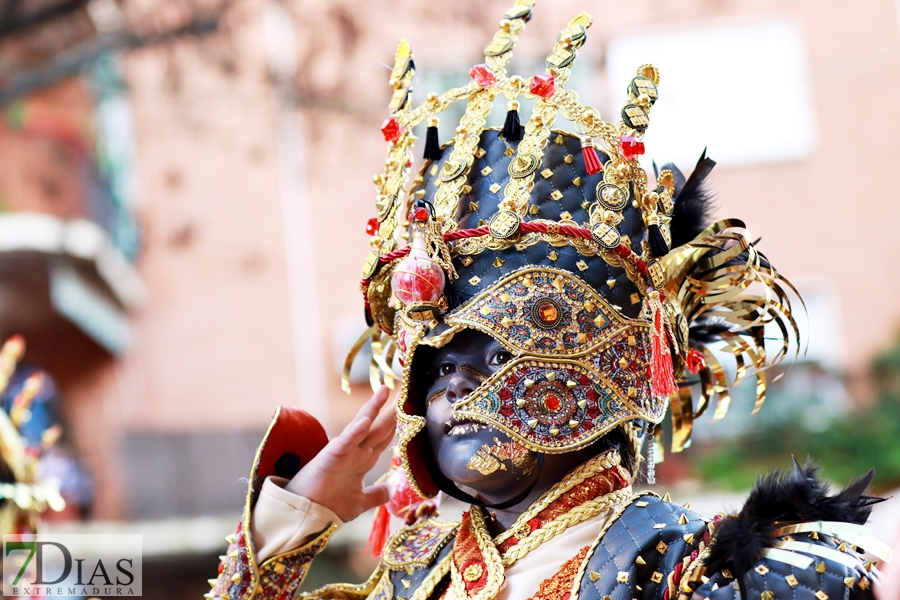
446,369
500,357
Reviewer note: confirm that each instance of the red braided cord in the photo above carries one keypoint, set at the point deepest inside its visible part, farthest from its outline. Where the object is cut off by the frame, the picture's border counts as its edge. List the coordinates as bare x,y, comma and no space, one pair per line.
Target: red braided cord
460,234
527,227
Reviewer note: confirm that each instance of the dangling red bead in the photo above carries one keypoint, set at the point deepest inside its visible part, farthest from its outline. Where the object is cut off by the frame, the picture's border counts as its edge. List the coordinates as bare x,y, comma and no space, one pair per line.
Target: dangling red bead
630,147
592,162
482,75
373,225
543,85
391,129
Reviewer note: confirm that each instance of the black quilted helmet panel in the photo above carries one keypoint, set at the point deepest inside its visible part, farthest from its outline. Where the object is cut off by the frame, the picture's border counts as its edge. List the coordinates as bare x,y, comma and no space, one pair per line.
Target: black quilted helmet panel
488,178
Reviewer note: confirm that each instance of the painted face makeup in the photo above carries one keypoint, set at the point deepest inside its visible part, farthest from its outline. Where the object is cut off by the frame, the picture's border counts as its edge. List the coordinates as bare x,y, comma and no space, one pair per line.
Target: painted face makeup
468,453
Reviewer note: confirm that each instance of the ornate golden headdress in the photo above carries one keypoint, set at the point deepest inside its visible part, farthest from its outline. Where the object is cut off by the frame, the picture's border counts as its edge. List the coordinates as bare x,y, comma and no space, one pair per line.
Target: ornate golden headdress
556,244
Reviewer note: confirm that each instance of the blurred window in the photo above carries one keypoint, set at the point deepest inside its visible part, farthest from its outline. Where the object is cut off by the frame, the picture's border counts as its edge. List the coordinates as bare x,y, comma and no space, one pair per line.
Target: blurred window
743,90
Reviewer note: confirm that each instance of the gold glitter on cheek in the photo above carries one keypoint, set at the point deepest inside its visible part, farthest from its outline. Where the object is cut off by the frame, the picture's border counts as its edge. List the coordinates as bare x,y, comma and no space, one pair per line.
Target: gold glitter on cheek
489,459
485,462
522,458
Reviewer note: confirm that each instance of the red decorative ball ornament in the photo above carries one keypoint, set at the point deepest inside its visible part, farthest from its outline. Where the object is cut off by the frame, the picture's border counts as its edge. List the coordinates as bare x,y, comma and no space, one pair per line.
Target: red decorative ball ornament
543,85
418,278
391,129
482,75
373,226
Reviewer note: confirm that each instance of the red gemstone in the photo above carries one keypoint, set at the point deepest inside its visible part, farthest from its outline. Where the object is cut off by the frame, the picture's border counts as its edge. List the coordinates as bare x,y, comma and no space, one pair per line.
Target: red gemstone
420,214
372,226
390,129
630,147
552,402
482,75
543,85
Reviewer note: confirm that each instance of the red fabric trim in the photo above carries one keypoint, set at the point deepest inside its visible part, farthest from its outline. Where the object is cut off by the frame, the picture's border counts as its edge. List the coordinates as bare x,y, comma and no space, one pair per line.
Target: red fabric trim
294,431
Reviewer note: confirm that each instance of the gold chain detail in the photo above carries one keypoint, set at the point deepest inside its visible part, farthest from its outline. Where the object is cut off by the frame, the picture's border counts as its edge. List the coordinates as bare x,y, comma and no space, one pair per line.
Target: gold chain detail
537,131
585,247
468,134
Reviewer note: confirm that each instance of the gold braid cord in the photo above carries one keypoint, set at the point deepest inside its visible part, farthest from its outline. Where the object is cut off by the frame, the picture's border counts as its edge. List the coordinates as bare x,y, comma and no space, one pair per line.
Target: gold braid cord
456,169
721,278
491,557
573,517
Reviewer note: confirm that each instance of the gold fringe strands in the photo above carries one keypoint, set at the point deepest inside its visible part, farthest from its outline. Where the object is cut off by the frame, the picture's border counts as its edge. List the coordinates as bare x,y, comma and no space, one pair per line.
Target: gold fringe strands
721,277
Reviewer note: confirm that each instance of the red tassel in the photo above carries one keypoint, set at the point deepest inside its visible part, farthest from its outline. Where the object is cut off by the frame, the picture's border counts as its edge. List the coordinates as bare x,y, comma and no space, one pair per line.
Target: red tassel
381,527
662,371
591,161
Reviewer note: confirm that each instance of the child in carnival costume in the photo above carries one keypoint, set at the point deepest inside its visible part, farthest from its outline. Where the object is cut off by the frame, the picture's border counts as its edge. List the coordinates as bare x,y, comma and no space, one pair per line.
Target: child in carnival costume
548,303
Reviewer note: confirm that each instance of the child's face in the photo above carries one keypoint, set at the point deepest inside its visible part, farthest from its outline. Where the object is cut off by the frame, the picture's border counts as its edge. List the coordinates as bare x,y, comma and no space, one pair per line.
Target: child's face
470,454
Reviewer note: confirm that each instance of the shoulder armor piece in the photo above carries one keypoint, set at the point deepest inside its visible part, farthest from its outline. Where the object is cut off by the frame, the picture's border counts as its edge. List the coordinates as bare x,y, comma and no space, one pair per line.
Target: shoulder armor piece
641,550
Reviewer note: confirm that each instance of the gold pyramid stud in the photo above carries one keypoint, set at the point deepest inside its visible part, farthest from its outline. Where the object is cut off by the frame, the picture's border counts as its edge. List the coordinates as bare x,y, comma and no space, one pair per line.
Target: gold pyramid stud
212,582
667,497
593,575
689,538
640,561
849,581
230,538
236,578
682,520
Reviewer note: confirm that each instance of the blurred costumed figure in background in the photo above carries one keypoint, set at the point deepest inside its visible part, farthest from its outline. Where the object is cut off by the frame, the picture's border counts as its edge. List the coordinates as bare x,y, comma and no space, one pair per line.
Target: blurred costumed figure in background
28,432
548,303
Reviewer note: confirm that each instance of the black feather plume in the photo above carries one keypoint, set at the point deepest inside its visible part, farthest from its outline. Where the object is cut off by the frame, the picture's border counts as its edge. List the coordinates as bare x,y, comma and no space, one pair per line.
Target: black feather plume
779,498
693,202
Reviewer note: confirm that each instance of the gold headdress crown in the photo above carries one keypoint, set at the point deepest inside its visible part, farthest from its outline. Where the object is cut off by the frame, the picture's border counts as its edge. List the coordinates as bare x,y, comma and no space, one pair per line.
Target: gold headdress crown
571,259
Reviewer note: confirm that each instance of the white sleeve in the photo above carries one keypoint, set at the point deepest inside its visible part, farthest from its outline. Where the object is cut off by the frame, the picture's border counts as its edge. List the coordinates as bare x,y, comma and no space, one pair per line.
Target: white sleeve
283,521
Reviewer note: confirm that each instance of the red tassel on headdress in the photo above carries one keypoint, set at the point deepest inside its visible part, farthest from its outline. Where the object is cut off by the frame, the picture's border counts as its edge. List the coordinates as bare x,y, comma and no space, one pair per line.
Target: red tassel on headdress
662,372
381,527
592,162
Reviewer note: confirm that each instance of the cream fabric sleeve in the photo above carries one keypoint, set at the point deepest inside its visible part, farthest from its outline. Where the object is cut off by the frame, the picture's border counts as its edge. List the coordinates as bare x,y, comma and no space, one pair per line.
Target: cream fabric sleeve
283,521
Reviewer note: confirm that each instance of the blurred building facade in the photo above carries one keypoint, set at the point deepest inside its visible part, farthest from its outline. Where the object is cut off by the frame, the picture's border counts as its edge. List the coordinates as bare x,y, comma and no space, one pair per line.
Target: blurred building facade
253,152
